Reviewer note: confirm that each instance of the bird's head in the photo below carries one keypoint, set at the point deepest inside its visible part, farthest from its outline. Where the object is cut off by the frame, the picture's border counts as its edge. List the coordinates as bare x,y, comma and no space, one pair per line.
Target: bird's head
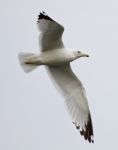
79,54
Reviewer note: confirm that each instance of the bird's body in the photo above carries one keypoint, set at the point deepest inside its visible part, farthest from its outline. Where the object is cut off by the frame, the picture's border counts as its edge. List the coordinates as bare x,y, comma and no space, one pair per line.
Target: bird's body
54,57
57,59
57,56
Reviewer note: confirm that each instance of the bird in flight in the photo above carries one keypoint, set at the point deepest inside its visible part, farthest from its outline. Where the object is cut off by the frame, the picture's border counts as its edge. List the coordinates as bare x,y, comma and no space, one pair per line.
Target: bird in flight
56,57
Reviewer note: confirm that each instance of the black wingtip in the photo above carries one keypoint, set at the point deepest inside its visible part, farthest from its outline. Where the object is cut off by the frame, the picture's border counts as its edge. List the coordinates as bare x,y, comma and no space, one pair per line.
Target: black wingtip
43,15
88,131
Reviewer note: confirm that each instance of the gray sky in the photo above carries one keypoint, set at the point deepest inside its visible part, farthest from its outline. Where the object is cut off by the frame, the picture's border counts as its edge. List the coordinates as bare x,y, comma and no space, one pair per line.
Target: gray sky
32,113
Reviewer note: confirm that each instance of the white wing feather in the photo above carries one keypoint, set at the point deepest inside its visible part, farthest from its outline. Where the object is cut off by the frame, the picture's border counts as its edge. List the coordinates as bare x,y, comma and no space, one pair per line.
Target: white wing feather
72,90
51,33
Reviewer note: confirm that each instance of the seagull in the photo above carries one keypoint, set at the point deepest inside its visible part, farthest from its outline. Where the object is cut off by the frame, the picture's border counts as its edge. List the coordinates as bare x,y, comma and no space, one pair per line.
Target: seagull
57,58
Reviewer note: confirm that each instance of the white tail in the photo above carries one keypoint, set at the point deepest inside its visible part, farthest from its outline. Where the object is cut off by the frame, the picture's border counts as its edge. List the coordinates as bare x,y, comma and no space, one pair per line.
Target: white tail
22,58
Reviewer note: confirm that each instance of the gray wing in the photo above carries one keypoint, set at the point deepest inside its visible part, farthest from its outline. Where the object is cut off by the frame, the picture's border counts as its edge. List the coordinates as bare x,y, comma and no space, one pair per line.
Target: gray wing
51,33
72,90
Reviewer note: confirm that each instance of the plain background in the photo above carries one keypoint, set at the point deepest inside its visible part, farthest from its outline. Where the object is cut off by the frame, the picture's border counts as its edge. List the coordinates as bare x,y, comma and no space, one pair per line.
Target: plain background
32,113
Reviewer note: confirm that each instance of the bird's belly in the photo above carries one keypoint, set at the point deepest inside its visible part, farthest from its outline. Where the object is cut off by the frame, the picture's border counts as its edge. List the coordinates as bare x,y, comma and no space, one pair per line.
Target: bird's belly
55,59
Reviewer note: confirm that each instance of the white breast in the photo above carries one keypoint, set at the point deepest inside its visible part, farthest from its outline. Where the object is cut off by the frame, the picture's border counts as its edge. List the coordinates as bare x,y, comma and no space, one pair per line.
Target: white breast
56,57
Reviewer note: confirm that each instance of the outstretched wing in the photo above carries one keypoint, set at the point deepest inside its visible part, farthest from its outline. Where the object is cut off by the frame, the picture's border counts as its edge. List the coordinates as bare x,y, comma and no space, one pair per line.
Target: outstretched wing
72,90
51,33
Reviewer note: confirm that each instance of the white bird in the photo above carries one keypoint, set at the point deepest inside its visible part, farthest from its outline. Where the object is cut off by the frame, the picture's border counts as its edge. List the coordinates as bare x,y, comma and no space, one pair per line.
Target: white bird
57,60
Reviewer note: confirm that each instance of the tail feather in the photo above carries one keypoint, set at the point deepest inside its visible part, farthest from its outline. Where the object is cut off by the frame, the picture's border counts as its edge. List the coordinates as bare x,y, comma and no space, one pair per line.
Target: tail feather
26,67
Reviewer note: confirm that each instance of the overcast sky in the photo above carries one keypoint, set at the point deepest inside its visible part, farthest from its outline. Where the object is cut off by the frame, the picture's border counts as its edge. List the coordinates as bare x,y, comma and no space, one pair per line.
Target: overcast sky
32,113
